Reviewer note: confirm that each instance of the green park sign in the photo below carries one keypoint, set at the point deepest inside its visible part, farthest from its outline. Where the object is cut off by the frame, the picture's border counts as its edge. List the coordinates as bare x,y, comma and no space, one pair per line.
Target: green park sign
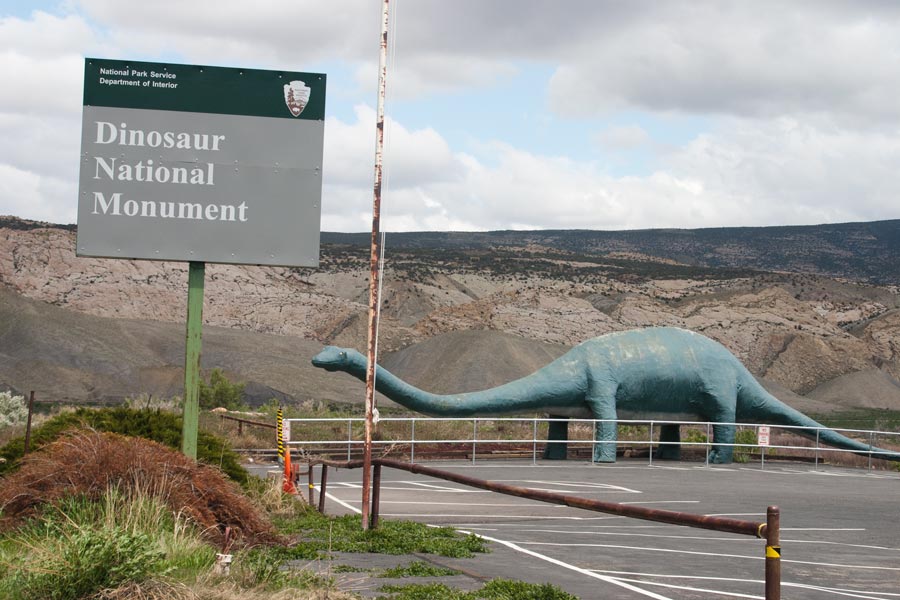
200,164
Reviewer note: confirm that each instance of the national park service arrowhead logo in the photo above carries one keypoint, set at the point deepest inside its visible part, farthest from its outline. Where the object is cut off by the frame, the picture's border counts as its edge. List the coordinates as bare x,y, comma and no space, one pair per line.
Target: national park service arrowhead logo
296,96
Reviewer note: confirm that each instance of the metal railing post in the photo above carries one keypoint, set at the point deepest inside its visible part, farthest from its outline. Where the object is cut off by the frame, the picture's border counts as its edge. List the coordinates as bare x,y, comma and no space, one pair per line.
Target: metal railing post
707,444
651,443
349,437
412,443
817,449
871,440
773,553
474,437
534,443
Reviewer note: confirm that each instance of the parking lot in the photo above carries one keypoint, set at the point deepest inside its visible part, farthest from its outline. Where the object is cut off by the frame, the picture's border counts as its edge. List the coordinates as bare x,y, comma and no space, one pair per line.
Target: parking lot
840,532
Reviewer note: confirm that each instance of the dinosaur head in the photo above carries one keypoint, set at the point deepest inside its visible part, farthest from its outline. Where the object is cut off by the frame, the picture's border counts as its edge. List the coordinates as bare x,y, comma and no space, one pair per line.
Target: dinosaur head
332,358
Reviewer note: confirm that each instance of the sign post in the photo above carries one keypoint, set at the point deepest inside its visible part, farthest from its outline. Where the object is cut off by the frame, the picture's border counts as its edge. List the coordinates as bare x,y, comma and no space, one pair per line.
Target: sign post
194,332
762,440
200,164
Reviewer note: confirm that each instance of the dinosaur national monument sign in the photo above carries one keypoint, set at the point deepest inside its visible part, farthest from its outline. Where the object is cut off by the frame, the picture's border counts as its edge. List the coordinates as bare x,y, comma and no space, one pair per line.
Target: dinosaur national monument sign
200,164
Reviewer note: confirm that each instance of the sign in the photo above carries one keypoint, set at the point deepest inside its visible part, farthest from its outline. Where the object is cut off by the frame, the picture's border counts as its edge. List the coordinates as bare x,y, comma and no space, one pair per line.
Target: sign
198,163
762,436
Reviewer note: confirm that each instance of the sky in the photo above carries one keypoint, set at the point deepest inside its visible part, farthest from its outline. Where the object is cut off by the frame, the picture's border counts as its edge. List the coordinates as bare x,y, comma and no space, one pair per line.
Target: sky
512,114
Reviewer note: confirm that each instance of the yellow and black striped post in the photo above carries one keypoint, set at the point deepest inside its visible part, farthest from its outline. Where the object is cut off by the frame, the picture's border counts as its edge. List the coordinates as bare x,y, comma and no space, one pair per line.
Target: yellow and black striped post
773,553
279,433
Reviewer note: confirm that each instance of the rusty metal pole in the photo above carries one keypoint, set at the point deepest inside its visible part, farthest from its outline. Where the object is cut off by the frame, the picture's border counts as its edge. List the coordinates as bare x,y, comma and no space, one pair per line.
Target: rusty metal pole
323,482
373,263
773,553
376,495
28,423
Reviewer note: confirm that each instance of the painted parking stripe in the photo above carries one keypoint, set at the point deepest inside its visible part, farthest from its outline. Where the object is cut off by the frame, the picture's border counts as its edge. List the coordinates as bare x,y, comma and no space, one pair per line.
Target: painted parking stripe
571,567
842,591
716,554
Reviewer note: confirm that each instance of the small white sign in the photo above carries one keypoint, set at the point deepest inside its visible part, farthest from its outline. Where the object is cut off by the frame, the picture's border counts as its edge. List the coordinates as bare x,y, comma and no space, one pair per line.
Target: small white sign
286,431
762,436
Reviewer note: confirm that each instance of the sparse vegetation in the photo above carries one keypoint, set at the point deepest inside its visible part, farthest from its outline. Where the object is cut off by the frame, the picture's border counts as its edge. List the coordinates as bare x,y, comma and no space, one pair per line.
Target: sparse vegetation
12,410
496,589
157,425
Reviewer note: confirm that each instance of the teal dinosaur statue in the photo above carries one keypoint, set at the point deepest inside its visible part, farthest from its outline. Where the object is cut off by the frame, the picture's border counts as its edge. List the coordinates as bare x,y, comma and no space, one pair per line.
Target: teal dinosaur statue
656,373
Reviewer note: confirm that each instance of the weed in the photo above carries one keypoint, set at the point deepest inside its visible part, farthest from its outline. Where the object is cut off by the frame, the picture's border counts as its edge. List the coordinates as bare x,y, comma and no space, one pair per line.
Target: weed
496,589
345,534
418,569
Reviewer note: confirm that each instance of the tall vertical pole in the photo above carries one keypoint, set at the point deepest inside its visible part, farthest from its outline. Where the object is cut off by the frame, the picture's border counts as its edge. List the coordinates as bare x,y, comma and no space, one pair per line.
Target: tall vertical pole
196,273
773,553
373,266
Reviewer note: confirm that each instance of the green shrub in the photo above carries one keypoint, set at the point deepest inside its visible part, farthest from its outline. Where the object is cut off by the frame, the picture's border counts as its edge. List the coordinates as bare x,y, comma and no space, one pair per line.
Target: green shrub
159,426
220,392
12,410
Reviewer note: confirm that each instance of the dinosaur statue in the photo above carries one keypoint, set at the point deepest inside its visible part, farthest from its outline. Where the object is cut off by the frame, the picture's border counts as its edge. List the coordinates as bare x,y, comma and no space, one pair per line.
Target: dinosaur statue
660,372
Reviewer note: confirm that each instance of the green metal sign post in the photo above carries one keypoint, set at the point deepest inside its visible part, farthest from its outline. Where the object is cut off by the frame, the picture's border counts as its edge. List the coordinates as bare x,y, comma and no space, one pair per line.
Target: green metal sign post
196,272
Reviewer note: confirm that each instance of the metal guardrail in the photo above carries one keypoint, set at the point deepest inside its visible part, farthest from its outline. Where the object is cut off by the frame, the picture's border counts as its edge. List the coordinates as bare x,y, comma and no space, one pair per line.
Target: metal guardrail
353,442
770,530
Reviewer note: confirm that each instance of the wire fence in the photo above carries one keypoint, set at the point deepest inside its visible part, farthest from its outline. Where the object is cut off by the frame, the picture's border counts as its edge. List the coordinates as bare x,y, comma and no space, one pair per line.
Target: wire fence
517,437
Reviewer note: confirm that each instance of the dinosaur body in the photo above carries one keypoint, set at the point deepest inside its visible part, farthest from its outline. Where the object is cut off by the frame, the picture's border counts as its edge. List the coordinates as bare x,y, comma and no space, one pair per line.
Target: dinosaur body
661,372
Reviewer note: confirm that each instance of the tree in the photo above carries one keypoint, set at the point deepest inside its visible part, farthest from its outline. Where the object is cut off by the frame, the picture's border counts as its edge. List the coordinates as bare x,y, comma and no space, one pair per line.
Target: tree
221,392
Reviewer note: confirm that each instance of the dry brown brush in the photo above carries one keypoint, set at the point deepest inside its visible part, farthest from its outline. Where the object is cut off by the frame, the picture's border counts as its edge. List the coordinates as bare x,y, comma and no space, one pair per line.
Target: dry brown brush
87,462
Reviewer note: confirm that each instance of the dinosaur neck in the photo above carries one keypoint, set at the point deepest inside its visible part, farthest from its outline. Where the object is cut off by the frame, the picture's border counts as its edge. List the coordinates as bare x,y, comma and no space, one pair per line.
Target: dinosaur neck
533,392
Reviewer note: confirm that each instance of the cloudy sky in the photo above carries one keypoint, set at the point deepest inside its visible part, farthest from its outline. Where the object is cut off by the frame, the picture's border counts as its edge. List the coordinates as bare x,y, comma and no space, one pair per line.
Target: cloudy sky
513,113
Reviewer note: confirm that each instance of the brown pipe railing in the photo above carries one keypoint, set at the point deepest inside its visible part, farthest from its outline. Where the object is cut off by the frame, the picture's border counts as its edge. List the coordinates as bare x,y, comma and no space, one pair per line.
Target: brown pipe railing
241,422
770,530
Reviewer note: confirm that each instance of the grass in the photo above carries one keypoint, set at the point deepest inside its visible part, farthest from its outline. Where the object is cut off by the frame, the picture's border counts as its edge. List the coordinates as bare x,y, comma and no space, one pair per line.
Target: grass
496,589
418,569
77,547
321,534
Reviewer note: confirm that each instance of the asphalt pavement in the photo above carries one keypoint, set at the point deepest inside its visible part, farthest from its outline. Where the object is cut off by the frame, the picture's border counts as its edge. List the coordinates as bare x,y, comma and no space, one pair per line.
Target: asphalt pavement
840,529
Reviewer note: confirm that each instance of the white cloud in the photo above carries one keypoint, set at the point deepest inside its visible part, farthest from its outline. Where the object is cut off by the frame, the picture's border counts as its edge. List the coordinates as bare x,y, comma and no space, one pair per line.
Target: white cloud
800,99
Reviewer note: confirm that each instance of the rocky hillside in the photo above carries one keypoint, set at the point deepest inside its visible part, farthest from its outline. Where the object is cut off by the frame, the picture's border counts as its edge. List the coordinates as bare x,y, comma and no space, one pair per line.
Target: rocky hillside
799,330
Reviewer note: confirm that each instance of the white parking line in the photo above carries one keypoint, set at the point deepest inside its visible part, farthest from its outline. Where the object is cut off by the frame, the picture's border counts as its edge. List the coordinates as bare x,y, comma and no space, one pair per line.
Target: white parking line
716,554
837,591
565,565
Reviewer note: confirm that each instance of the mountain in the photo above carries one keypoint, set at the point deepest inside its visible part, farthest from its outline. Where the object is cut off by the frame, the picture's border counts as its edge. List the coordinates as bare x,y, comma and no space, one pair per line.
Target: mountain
476,312
868,252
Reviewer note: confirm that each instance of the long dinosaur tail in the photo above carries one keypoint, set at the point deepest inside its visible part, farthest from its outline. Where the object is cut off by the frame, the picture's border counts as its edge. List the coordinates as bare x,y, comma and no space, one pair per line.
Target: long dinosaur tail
756,405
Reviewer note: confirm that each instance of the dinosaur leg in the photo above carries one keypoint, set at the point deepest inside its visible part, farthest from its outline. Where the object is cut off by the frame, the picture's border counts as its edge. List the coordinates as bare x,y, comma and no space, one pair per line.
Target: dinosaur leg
722,452
606,431
723,435
557,438
672,449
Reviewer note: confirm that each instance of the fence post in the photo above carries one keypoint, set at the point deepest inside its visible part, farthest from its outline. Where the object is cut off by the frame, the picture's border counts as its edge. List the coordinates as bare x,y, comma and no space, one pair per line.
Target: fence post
773,553
349,437
651,443
322,485
534,443
412,443
28,424
376,494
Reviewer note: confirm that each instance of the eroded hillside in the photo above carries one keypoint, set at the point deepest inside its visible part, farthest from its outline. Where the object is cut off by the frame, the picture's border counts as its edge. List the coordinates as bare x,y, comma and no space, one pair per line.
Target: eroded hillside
798,330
